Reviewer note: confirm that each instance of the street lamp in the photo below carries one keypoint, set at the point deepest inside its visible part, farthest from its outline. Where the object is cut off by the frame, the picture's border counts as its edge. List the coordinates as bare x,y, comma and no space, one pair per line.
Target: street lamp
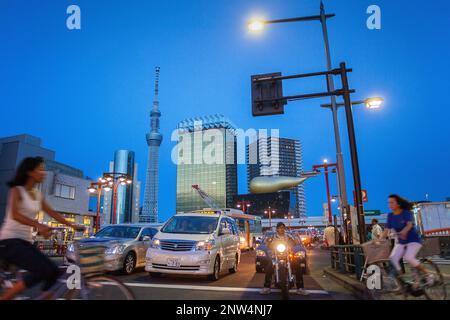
258,25
326,170
97,187
370,103
244,204
112,181
270,212
374,103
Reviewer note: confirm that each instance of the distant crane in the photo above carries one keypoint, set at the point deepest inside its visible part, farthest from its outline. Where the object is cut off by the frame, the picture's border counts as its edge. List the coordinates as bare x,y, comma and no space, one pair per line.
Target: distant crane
206,197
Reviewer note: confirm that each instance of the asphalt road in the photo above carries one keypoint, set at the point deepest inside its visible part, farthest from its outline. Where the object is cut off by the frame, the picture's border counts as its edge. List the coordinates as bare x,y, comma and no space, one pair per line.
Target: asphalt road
243,285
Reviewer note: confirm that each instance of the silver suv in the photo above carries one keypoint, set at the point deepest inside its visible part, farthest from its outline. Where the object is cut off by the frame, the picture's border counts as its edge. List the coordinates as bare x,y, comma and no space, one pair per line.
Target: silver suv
126,245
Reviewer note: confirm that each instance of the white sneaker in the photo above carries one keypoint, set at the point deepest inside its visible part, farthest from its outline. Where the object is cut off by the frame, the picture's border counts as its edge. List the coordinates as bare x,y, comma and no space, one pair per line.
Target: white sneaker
302,292
265,291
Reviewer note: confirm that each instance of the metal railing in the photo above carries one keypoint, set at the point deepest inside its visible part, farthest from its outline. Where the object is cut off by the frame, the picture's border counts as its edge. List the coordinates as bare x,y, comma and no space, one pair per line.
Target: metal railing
347,259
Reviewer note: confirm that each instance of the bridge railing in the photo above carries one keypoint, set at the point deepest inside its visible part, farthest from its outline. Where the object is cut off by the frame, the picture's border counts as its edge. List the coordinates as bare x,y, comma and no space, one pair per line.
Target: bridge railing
347,259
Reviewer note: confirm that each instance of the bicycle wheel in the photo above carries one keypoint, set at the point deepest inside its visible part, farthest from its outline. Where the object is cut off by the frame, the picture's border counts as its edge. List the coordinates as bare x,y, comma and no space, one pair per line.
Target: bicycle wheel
437,290
380,283
101,287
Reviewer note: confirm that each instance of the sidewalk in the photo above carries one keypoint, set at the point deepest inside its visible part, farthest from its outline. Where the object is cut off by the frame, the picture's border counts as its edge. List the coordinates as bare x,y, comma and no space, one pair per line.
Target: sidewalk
360,290
349,282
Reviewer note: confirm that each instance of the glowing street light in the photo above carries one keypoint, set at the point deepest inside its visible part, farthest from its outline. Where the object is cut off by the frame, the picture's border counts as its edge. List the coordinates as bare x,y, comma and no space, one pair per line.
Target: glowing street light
374,103
256,25
370,103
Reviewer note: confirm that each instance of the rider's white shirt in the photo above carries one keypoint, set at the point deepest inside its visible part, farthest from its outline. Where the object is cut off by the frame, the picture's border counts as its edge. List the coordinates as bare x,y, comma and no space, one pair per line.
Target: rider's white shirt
29,207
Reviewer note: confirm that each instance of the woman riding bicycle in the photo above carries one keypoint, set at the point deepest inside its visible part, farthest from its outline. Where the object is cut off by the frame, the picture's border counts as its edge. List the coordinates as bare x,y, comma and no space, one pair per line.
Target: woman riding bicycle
24,204
400,220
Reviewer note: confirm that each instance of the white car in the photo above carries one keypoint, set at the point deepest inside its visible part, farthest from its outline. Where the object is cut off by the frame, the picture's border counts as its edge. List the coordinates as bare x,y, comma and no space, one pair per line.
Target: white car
196,243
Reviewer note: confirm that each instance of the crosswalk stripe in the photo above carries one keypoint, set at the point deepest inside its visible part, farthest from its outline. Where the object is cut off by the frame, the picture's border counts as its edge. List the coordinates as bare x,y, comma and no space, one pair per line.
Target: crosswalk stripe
209,288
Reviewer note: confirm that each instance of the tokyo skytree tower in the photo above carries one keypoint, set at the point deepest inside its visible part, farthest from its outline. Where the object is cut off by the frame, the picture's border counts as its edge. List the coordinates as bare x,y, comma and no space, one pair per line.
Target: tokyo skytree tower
154,138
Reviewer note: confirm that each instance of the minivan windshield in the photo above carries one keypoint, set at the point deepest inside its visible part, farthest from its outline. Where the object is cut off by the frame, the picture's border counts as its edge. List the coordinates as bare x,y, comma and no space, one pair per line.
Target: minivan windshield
124,232
191,225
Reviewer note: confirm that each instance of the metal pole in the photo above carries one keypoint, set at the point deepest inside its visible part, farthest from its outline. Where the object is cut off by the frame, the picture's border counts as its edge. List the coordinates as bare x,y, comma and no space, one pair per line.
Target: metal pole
114,203
328,193
354,154
339,159
97,217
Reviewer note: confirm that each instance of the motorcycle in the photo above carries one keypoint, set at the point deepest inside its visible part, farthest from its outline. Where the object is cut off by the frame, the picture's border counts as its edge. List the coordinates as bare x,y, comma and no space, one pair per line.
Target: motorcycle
281,261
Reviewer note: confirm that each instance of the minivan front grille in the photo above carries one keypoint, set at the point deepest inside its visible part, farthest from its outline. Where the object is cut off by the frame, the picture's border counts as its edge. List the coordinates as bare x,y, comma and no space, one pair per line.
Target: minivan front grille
165,267
177,245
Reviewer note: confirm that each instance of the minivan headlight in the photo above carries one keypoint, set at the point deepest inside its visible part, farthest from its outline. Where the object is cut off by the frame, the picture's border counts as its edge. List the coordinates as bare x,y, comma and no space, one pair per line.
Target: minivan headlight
300,254
156,244
70,247
205,245
117,249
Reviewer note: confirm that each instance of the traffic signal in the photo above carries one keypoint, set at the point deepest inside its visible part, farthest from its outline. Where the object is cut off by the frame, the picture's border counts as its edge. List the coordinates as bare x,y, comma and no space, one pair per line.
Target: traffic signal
267,95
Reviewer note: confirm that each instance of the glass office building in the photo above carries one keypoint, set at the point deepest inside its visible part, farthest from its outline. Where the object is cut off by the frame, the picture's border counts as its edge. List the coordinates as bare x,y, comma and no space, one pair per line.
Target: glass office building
206,156
275,156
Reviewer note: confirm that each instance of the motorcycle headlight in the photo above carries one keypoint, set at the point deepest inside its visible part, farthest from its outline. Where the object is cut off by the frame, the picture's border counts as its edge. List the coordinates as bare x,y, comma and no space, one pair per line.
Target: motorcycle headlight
300,254
260,253
281,248
117,249
205,245
156,244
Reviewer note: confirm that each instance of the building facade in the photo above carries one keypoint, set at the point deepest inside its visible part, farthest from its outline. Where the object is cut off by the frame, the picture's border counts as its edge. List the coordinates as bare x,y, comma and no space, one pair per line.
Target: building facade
154,139
275,156
127,201
206,156
65,187
260,204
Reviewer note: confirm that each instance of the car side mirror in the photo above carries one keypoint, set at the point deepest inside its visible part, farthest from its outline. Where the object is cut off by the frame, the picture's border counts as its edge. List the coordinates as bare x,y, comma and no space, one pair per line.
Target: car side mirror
146,238
225,231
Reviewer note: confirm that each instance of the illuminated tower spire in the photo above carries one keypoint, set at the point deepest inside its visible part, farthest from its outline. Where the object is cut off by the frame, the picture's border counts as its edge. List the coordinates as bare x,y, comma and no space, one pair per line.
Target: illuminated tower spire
154,138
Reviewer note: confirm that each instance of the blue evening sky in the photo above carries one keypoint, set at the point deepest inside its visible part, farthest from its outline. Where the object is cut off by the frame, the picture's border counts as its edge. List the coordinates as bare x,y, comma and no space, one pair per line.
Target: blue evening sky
87,93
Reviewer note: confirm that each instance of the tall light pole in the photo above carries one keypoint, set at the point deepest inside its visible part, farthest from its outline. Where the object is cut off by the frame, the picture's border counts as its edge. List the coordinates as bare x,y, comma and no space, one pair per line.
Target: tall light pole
245,205
269,211
326,167
97,187
257,25
114,180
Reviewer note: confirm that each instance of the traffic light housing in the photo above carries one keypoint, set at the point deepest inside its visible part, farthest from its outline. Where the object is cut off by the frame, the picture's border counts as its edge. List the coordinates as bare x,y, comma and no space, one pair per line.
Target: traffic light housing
267,95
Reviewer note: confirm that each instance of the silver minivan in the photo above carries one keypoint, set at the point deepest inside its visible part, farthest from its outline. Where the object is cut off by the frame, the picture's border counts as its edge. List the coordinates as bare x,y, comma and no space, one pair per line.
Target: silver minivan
196,243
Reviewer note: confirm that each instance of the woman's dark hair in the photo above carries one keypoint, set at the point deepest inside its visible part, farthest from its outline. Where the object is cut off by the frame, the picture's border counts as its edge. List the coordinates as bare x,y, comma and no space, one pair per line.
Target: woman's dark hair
402,202
27,165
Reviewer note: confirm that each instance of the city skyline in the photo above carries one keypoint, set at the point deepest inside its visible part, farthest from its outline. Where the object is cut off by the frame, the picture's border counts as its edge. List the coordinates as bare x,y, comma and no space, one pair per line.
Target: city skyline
61,105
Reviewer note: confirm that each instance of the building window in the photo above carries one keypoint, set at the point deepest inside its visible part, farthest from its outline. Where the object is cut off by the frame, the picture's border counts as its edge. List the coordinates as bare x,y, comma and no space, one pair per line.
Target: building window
63,191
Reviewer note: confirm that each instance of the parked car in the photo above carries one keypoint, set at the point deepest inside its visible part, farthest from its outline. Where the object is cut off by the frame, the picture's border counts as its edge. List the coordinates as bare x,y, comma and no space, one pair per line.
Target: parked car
195,243
299,253
126,245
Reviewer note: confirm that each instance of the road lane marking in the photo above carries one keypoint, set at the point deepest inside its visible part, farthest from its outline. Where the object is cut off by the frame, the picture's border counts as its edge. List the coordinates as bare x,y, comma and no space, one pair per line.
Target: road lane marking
209,288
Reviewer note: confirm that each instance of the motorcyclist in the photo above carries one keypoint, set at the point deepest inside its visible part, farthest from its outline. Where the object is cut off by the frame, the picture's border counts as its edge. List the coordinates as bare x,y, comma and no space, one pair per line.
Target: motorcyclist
268,267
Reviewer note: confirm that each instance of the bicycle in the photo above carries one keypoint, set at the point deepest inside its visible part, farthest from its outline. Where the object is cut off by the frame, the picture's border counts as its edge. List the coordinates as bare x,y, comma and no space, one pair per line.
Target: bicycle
416,284
85,281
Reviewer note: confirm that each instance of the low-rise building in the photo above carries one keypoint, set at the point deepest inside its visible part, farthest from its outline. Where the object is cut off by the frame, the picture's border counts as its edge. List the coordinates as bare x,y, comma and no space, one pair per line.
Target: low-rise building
65,187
